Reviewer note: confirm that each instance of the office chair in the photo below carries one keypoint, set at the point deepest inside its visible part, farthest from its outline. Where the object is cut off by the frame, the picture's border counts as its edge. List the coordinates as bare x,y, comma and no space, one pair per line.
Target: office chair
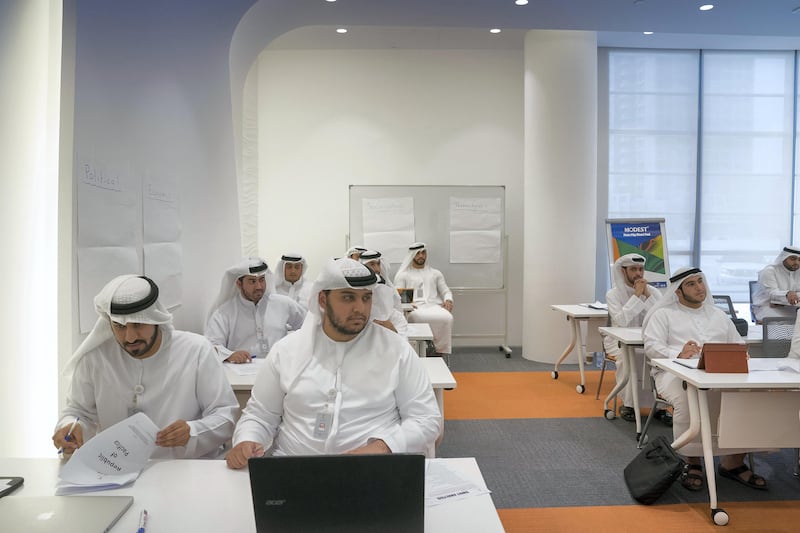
777,335
723,301
753,285
657,401
607,358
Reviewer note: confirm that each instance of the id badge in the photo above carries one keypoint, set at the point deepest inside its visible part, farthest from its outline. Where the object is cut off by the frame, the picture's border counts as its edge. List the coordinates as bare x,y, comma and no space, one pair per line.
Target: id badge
322,425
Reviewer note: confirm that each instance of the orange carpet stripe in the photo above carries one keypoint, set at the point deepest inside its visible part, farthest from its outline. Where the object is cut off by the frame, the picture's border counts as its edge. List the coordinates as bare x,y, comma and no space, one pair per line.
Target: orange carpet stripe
481,395
759,517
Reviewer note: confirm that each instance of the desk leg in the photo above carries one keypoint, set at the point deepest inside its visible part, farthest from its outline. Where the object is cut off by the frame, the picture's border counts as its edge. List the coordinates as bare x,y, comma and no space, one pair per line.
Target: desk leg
439,394
611,414
633,386
575,331
718,516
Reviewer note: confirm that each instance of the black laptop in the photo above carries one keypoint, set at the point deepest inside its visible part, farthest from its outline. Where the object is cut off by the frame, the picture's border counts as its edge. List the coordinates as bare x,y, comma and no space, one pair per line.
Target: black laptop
339,493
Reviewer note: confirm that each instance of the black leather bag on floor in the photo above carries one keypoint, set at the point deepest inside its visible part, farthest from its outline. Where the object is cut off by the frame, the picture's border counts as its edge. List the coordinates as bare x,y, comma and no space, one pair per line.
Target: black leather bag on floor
653,471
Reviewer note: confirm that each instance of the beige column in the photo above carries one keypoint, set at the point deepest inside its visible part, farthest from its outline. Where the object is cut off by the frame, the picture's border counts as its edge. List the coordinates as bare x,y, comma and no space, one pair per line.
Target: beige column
560,184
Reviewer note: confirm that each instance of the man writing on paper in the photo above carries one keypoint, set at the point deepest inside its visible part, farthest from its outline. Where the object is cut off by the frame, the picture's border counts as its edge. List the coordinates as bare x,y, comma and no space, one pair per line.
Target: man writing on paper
342,384
135,361
778,292
433,299
248,317
291,280
392,316
677,326
628,301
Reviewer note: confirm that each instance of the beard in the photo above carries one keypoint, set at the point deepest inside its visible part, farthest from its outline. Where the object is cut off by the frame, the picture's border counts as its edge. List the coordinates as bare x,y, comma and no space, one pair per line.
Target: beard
341,326
138,352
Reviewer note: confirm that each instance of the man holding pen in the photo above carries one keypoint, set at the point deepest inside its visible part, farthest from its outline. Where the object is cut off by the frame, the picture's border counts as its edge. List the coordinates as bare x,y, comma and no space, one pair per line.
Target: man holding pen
134,360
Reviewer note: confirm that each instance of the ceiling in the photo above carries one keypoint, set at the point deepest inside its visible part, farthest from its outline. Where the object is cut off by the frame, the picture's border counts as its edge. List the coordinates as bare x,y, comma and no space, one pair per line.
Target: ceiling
675,23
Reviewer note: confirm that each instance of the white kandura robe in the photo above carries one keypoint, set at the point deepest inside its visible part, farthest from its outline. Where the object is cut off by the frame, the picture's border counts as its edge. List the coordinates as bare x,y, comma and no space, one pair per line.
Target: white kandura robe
430,292
667,331
774,282
238,324
299,291
627,311
182,381
374,385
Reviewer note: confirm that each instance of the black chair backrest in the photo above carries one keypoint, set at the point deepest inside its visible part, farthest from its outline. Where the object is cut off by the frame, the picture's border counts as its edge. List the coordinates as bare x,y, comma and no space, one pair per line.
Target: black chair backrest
723,301
753,285
778,331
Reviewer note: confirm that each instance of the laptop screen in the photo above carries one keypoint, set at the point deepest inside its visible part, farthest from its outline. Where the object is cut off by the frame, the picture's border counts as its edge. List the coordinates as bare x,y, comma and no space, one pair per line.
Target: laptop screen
339,493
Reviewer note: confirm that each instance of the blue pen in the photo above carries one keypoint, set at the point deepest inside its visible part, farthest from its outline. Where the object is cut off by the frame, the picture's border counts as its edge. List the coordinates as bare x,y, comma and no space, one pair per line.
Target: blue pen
68,436
142,522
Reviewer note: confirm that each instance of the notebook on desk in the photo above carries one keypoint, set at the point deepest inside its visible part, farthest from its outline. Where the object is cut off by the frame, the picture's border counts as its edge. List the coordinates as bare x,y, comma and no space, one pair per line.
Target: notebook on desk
339,493
61,514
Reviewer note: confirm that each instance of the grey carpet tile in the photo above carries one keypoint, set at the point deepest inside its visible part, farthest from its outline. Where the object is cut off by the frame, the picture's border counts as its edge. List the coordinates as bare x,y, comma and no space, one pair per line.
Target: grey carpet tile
484,359
579,462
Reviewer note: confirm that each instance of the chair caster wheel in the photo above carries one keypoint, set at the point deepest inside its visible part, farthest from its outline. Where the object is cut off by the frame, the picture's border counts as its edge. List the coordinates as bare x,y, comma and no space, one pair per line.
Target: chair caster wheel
719,517
610,415
581,389
554,374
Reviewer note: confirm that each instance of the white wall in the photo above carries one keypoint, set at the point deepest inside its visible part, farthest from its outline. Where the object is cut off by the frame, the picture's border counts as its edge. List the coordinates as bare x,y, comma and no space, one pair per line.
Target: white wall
30,44
332,118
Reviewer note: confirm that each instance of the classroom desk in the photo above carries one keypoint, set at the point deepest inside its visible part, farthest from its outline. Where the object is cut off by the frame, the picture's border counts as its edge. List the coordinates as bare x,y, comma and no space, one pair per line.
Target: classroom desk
419,333
742,424
575,315
439,374
628,340
205,496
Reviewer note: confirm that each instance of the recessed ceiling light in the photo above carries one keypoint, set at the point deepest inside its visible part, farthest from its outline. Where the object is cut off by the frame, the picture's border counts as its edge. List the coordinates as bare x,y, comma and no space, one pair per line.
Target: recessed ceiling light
495,30
647,32
330,0
521,2
706,7
341,30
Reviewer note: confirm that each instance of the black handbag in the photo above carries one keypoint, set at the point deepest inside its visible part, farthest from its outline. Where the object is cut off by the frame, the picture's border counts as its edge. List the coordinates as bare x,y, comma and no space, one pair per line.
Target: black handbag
652,472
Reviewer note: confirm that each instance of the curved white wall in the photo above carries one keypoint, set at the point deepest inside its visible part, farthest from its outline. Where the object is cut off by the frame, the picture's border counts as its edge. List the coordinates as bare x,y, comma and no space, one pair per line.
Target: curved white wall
560,183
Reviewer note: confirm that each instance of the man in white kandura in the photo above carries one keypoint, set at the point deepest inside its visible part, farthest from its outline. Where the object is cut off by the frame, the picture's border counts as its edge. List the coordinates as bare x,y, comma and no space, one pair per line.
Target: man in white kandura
391,315
342,384
433,300
628,301
677,326
354,252
134,360
778,292
248,318
290,278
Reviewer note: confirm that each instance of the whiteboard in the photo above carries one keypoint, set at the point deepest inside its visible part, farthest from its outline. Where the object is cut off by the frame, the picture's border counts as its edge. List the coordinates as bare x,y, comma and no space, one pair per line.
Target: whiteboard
463,228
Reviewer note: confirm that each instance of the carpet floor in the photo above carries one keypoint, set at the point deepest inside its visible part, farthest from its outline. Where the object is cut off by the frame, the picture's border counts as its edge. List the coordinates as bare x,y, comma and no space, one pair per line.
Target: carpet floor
554,463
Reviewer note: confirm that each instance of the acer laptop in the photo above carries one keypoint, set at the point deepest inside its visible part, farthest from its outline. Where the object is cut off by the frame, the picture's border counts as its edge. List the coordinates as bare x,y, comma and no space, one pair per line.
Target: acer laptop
339,493
61,514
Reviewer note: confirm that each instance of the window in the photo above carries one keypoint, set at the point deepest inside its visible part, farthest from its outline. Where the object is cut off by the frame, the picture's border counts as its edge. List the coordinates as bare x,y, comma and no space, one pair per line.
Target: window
737,196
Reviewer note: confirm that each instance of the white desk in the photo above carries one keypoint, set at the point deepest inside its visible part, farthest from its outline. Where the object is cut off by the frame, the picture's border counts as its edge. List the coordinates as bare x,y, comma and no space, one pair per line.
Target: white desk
418,335
629,339
205,496
439,374
747,426
575,315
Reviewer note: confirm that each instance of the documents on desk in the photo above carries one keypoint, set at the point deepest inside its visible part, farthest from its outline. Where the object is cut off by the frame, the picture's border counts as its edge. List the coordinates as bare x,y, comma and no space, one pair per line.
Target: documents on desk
597,305
443,484
246,369
111,459
771,363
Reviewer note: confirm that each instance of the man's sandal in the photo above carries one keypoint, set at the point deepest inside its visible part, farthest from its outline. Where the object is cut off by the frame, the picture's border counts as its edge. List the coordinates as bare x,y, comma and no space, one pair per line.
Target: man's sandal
692,477
754,482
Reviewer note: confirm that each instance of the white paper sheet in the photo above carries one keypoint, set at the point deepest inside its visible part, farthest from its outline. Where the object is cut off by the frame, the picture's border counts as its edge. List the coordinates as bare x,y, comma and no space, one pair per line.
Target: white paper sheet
163,262
110,459
468,214
246,369
109,204
443,485
387,214
475,246
160,210
756,364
